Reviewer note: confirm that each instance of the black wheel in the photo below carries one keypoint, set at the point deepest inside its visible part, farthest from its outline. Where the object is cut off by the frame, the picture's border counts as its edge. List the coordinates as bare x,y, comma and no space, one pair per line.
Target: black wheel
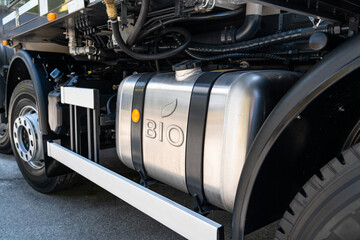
5,145
328,207
26,141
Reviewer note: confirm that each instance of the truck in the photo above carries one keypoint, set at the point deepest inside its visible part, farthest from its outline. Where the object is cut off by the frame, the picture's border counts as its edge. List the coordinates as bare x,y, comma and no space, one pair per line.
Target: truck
251,107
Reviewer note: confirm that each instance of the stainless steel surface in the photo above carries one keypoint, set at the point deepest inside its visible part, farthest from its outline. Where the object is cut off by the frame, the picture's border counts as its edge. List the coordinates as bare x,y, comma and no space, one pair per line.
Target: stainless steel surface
236,110
178,218
27,137
239,103
123,119
229,4
183,75
81,97
165,122
254,9
164,132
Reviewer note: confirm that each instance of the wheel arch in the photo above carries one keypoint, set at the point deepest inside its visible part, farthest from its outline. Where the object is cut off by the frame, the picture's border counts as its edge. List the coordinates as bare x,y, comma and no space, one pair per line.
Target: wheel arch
36,66
25,66
326,78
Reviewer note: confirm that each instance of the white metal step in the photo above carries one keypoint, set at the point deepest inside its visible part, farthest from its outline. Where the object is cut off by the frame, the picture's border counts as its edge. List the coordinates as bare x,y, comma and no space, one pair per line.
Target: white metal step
185,222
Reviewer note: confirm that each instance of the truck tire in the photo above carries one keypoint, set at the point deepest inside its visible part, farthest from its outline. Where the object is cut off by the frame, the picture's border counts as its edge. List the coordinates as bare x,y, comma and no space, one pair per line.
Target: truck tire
328,207
27,143
5,145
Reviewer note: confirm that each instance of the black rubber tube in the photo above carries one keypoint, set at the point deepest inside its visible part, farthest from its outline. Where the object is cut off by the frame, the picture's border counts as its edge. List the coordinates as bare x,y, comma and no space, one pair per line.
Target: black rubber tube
216,16
139,22
249,28
259,42
149,57
233,55
229,55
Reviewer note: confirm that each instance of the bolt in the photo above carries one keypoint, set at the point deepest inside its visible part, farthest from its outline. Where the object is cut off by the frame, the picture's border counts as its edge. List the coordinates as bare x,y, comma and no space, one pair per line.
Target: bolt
341,109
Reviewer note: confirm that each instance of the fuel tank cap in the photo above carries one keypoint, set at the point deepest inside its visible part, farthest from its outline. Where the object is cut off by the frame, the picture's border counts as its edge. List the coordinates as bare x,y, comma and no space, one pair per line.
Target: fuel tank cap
186,65
185,69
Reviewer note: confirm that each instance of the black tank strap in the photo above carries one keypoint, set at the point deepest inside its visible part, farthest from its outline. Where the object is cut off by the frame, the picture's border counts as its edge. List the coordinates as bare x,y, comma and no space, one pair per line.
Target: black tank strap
136,127
196,136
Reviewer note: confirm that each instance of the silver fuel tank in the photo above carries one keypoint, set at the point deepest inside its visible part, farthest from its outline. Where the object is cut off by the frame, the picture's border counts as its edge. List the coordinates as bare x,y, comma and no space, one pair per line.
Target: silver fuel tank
159,132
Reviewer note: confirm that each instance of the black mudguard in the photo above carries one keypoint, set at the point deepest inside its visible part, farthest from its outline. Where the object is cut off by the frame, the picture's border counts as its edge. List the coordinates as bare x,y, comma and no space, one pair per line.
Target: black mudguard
6,55
338,64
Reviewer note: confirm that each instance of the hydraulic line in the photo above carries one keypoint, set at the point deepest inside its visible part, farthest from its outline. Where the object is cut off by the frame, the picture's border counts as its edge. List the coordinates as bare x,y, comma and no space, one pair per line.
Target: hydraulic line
259,42
139,22
148,57
233,55
112,14
229,55
251,24
216,16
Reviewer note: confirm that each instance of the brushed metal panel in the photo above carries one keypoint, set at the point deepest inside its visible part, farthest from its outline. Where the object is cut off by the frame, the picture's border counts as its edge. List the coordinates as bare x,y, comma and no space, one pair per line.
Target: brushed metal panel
165,123
238,105
123,119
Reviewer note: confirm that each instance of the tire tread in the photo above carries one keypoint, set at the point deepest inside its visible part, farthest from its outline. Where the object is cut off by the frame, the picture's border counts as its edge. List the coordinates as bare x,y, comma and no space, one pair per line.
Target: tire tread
336,167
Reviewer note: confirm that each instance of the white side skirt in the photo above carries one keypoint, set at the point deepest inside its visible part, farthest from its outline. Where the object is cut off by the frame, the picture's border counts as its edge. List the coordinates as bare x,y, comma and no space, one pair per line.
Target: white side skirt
187,223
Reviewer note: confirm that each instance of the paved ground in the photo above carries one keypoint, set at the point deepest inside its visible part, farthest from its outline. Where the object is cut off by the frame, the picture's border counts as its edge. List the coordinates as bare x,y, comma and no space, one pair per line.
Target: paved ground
85,211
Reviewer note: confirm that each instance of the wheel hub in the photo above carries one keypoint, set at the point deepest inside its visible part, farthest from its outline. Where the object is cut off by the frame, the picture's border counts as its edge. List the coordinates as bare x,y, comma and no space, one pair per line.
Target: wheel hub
27,139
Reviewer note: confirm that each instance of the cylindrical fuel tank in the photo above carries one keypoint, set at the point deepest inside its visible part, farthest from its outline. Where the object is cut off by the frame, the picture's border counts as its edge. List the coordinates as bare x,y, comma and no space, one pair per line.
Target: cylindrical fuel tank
237,104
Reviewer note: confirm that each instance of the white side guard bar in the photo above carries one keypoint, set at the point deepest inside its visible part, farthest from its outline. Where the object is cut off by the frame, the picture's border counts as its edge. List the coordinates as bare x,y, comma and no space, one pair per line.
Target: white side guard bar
185,222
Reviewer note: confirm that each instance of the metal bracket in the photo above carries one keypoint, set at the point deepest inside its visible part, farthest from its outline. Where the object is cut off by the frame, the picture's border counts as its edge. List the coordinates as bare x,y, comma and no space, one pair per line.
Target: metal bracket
87,98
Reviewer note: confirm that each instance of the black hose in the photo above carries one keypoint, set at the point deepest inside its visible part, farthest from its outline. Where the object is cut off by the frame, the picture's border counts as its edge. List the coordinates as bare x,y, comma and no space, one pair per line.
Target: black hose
216,16
259,42
159,18
139,22
233,55
249,28
148,57
228,55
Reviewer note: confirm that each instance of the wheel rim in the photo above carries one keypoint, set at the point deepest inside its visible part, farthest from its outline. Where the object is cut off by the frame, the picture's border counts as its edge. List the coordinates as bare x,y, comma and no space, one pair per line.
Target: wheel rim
27,137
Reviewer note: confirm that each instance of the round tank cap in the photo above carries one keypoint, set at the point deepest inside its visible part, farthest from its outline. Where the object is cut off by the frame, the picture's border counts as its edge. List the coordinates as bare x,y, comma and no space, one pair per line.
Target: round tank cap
187,64
318,41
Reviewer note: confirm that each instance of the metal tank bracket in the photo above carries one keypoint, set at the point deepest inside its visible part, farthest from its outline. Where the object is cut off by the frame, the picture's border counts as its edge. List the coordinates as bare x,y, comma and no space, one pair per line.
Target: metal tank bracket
89,99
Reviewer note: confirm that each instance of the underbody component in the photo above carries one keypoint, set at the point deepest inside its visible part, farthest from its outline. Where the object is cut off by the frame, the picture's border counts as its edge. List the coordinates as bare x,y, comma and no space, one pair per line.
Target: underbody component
238,104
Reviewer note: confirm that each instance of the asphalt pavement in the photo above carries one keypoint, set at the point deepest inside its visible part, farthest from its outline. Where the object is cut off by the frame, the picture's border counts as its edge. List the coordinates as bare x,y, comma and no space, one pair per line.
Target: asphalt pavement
85,211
